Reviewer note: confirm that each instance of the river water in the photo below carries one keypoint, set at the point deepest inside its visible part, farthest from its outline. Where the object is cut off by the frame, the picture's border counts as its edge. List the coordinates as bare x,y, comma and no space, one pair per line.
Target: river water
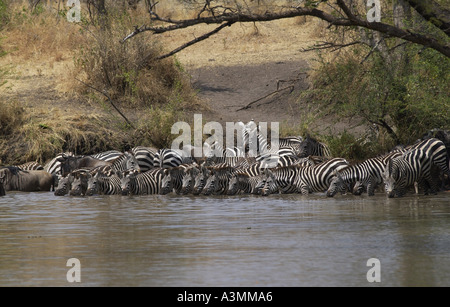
170,240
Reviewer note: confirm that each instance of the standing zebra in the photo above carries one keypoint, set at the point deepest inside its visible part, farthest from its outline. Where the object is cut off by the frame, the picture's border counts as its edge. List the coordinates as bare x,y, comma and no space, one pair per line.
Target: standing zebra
144,156
109,155
404,171
166,158
312,147
436,152
54,165
154,181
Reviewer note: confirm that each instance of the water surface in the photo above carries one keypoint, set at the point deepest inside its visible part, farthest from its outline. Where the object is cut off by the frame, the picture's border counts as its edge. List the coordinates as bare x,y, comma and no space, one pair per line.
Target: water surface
170,240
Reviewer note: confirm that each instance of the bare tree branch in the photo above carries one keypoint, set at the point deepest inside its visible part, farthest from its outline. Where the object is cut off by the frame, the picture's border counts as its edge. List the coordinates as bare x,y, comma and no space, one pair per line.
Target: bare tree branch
198,39
330,45
110,101
232,16
433,12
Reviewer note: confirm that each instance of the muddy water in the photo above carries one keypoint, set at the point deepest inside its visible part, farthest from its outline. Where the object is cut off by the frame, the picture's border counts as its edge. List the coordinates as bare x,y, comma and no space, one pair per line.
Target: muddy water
283,240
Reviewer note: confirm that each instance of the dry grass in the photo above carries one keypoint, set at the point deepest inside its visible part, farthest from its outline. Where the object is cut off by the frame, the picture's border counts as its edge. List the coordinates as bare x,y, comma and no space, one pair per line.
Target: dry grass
54,112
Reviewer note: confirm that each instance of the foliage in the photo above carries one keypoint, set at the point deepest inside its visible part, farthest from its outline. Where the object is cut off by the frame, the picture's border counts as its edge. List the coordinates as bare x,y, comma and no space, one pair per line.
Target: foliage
4,14
130,72
404,98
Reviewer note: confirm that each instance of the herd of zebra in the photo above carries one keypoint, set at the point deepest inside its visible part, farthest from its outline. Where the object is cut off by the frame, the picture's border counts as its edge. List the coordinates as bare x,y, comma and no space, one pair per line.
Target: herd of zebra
299,165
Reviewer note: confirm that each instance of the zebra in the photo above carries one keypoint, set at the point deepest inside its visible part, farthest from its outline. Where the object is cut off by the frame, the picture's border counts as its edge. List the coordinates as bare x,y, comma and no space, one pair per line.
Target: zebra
125,161
200,179
188,179
280,179
436,151
166,158
79,182
180,175
317,178
243,182
272,158
438,160
154,181
64,186
217,182
364,175
144,156
229,155
54,165
84,177
108,156
30,166
292,142
404,171
103,184
311,147
302,179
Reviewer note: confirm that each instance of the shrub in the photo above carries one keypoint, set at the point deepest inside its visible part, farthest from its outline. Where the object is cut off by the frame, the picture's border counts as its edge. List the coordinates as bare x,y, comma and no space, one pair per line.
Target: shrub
130,72
403,99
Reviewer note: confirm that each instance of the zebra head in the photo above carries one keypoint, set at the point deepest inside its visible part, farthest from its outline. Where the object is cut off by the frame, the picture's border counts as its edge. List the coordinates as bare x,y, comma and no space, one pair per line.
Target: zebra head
233,185
188,179
391,179
200,180
79,183
211,184
64,185
358,188
92,184
131,161
127,179
166,182
268,184
337,184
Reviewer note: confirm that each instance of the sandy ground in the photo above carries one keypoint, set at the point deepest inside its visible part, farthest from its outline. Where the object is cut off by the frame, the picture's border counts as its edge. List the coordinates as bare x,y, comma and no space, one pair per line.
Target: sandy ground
251,71
247,71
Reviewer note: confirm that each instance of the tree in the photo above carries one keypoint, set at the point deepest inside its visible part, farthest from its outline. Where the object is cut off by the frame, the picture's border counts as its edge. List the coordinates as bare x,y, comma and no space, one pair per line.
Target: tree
338,13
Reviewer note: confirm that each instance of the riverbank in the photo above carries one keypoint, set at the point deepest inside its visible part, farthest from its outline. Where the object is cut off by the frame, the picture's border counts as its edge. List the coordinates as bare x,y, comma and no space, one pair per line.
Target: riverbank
244,72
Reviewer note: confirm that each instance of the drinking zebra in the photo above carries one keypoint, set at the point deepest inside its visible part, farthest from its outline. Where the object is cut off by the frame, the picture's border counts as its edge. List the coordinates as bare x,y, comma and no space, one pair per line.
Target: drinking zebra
102,184
404,171
366,175
243,182
217,182
154,181
302,179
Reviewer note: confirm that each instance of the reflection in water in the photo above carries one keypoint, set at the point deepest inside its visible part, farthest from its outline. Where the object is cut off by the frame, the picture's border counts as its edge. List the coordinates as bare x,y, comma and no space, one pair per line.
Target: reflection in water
281,240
